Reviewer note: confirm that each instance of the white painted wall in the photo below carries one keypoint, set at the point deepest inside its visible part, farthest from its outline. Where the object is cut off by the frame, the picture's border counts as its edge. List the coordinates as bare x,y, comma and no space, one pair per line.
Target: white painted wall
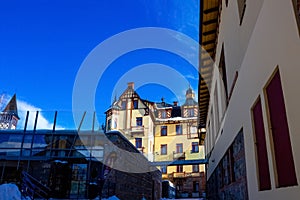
268,38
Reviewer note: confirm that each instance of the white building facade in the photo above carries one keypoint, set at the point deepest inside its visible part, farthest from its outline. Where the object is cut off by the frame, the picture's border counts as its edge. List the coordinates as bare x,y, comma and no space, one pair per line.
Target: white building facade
250,71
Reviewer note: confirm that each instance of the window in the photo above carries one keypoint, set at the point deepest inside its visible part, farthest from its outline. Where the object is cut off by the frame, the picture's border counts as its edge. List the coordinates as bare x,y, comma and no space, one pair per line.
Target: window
135,104
283,154
190,112
163,131
261,148
297,12
163,149
195,147
231,164
195,168
242,8
222,70
123,105
163,114
163,169
138,142
298,7
179,168
139,121
109,124
226,2
178,130
195,186
179,148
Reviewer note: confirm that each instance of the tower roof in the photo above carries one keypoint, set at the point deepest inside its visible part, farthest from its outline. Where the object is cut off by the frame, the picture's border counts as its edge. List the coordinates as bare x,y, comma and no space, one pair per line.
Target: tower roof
190,95
189,91
11,107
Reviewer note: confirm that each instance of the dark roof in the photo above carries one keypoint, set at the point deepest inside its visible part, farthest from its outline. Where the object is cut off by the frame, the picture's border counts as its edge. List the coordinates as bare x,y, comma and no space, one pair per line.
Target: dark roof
176,111
190,102
189,91
209,20
163,105
11,107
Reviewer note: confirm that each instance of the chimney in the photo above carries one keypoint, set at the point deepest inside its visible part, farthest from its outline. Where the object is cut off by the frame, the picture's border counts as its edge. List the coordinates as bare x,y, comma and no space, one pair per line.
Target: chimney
163,101
131,85
175,103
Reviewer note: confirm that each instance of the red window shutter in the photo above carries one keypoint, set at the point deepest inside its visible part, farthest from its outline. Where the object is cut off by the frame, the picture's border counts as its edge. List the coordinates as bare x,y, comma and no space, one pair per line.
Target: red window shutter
261,148
281,138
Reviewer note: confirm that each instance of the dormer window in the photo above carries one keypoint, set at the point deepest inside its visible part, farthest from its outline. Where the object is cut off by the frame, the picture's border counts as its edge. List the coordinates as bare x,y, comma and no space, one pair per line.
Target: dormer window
191,112
135,104
123,105
163,114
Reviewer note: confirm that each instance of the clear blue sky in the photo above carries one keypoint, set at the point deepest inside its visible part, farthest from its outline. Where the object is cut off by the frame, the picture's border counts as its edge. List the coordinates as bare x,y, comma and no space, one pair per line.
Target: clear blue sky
44,42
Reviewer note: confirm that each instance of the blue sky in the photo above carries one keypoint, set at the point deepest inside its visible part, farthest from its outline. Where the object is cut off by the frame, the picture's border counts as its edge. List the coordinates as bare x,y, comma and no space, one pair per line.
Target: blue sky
44,42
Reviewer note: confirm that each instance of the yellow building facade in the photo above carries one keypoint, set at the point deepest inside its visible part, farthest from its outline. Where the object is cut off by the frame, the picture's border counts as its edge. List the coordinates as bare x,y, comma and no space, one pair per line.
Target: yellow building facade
176,138
133,117
162,132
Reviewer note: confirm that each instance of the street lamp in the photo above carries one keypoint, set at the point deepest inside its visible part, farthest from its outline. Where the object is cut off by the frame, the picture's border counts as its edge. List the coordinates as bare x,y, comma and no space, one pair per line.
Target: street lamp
201,133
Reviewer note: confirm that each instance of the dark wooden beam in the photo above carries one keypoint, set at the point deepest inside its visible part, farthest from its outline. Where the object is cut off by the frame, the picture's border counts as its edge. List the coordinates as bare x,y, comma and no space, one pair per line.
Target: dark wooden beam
207,11
210,22
209,32
208,42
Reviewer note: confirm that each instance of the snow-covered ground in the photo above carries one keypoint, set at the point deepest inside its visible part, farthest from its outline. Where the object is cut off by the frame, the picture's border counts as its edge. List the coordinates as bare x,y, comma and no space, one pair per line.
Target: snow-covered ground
9,192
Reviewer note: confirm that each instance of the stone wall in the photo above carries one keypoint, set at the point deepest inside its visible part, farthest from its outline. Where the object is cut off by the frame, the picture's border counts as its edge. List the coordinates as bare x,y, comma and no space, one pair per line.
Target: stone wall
229,180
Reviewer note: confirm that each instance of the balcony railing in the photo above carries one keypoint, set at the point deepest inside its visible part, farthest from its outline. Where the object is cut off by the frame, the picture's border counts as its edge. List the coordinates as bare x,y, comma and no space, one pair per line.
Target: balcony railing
137,129
183,174
193,135
178,156
134,131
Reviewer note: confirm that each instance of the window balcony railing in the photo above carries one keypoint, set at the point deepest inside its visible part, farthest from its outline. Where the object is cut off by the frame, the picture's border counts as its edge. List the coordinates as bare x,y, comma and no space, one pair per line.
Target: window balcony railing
192,136
178,156
137,131
183,174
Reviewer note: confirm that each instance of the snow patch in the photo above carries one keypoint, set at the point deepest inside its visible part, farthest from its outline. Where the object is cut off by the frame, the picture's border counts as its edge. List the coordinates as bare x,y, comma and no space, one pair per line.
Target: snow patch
9,192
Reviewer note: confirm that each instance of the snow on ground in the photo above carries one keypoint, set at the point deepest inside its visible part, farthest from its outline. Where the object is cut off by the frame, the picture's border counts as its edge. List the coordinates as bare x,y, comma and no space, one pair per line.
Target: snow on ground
112,198
9,192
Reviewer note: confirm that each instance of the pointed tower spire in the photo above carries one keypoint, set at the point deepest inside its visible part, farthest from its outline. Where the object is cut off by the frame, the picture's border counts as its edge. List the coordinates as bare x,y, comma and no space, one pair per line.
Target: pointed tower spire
11,107
9,116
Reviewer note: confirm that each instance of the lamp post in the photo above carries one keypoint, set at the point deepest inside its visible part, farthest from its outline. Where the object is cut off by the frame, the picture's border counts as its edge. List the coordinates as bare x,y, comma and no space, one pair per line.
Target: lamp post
201,133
